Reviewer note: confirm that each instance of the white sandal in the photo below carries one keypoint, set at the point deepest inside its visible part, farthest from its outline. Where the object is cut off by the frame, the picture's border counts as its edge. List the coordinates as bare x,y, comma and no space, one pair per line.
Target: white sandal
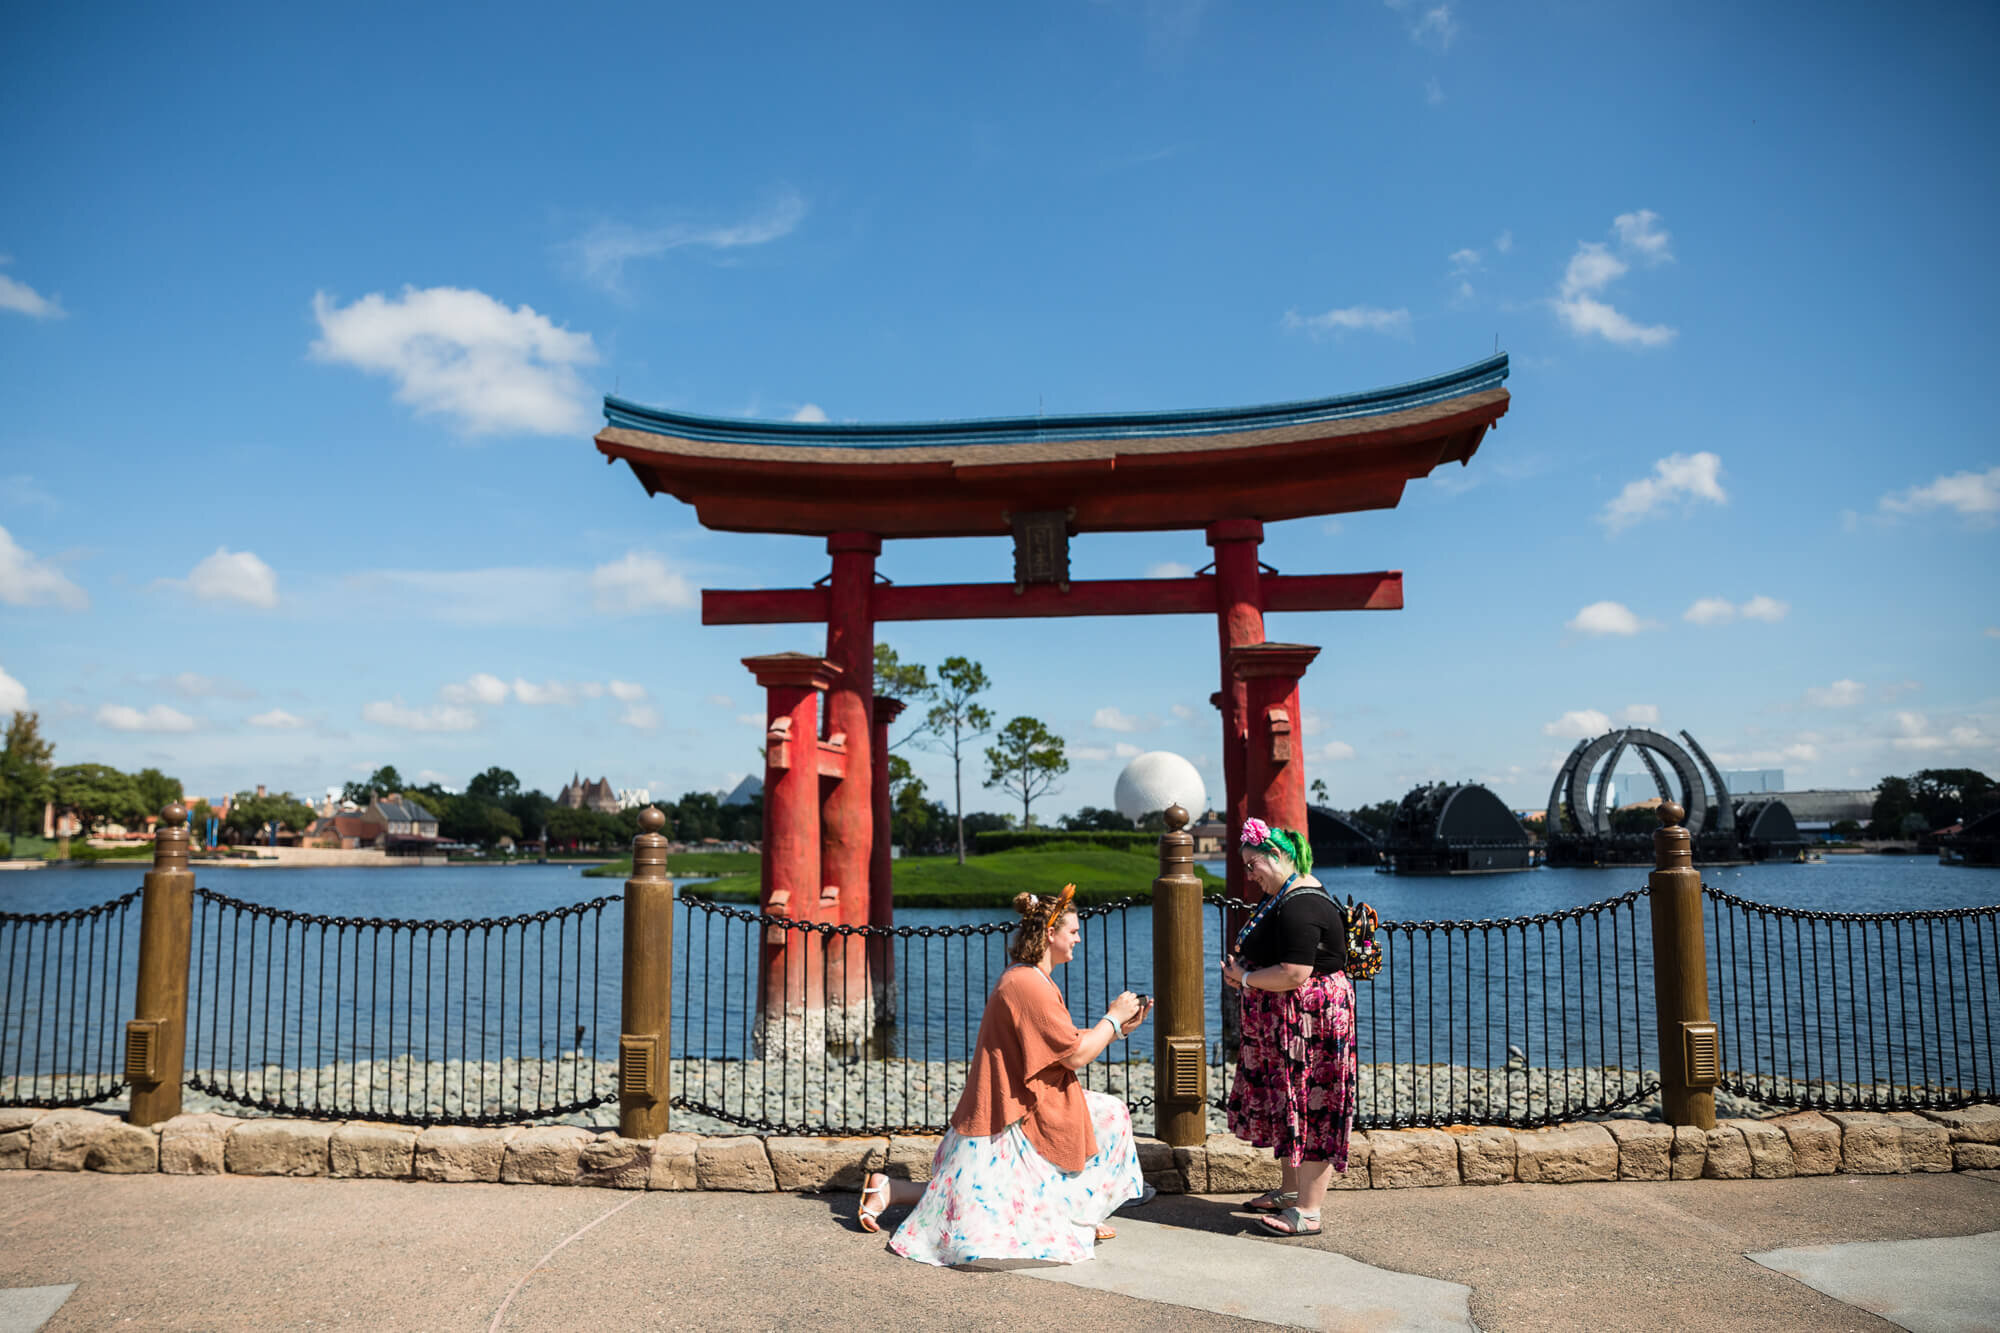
869,1218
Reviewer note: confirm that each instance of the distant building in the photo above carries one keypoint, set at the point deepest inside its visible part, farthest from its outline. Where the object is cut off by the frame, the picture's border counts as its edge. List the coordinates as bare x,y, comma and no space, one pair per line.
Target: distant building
1816,812
405,826
745,791
581,795
1753,781
631,798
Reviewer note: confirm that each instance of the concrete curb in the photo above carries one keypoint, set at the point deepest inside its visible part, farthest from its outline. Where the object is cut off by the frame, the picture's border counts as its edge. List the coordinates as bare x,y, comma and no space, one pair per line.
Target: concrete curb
1799,1143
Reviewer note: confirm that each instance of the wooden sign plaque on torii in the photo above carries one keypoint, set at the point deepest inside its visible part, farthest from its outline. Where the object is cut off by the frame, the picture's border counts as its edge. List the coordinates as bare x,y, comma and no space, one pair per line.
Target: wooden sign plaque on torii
1039,480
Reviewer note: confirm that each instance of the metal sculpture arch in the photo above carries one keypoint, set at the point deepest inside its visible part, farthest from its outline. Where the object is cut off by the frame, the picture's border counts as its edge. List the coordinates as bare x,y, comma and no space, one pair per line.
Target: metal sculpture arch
1592,817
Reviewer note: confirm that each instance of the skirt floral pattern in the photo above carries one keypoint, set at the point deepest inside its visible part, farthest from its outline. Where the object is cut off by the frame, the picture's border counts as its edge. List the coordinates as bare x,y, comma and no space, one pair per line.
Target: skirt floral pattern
995,1197
1296,1074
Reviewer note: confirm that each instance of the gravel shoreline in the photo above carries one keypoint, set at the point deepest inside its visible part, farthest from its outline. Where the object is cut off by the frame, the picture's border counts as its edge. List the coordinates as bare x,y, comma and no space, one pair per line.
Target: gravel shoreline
798,1097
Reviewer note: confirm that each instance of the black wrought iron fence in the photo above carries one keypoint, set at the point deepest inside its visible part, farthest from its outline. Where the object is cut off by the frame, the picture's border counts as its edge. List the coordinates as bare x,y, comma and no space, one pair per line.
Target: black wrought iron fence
784,1026
1855,1010
1523,1021
64,998
480,1022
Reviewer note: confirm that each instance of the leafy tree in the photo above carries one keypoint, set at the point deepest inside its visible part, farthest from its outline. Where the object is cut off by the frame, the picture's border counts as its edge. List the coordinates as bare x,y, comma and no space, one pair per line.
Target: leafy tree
916,824
907,681
984,821
954,721
1894,803
1091,819
1845,829
697,815
96,794
255,816
1319,790
156,789
25,768
496,785
1026,762
430,796
575,827
1944,795
1378,816
531,811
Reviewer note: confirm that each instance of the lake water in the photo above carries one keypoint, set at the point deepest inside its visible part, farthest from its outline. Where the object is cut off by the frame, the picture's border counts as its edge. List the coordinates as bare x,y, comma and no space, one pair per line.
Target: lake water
1442,1002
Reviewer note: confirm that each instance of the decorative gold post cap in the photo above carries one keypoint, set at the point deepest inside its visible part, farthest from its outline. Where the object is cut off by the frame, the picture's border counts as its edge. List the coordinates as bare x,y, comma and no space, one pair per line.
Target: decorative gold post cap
651,820
173,814
170,840
1673,845
649,849
1177,818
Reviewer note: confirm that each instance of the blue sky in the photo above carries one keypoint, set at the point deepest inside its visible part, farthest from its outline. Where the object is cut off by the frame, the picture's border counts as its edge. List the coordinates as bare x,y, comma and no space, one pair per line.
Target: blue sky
305,317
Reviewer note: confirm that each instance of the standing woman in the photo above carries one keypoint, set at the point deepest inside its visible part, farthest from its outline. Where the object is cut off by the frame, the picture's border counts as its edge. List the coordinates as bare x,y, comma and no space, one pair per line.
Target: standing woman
1294,1091
1033,1163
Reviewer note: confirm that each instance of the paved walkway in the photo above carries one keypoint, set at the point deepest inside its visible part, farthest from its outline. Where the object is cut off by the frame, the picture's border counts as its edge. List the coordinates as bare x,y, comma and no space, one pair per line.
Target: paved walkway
235,1252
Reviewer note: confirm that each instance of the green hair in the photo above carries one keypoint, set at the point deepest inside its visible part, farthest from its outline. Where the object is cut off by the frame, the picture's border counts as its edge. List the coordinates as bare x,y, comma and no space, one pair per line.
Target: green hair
1293,846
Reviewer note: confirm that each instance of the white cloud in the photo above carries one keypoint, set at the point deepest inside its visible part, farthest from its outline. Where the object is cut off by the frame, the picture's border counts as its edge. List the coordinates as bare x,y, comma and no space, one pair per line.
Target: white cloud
278,720
1336,750
1606,618
811,413
624,691
464,355
1433,92
1170,569
1640,715
26,581
1504,242
1993,631
1089,754
123,717
1463,261
194,685
602,252
752,719
1430,25
1840,694
22,299
1640,233
1310,723
13,694
232,576
1577,724
638,582
1371,319
437,717
478,688
1720,610
643,717
1110,718
721,701
1593,268
1974,495
557,692
1688,477
1711,611
1125,750
1764,608
1186,714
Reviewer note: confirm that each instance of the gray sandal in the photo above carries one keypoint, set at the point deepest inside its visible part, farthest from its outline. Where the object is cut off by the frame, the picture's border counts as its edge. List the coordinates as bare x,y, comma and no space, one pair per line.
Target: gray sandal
1272,1201
1291,1222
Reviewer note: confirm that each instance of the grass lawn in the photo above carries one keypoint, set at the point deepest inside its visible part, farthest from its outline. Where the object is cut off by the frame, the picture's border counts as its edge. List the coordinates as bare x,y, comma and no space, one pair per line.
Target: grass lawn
1100,874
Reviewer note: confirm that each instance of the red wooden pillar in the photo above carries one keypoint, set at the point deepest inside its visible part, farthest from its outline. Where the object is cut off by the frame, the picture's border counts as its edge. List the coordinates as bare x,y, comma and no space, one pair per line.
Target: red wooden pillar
881,900
847,814
1239,618
791,996
1274,760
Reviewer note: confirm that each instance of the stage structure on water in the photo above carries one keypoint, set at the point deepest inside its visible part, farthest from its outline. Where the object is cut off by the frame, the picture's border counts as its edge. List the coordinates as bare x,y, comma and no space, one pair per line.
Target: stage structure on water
1582,829
1041,482
1463,829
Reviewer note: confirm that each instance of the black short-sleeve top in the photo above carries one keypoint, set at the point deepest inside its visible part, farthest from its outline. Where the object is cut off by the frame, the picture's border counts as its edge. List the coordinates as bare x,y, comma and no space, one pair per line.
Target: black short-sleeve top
1305,927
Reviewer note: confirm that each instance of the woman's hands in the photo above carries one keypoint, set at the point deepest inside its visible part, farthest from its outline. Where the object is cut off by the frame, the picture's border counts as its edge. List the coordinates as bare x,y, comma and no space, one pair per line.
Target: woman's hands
1126,1012
1233,972
1131,1025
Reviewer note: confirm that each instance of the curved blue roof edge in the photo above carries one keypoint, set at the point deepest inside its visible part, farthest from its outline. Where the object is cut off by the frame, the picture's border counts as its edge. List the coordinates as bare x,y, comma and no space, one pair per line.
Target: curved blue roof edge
1475,378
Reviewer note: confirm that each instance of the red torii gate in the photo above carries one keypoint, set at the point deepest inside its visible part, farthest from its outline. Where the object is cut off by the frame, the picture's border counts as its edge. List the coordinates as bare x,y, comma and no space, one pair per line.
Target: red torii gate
1042,480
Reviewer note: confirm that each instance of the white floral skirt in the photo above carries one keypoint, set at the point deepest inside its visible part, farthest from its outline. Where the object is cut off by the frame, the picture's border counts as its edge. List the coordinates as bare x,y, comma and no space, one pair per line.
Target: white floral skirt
994,1197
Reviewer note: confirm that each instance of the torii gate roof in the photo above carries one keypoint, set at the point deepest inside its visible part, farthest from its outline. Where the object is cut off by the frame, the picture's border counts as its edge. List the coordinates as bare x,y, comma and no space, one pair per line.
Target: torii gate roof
1119,472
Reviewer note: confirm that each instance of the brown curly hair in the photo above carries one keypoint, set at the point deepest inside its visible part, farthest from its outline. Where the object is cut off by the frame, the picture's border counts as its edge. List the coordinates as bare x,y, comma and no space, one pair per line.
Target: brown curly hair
1030,939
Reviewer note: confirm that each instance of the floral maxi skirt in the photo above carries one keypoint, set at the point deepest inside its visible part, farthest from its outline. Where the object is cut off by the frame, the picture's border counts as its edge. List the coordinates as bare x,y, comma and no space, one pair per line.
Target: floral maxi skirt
1296,1075
994,1197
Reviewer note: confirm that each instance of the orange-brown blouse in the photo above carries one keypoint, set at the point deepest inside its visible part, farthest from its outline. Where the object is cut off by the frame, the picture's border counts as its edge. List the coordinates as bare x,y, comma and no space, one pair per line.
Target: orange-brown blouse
1017,1071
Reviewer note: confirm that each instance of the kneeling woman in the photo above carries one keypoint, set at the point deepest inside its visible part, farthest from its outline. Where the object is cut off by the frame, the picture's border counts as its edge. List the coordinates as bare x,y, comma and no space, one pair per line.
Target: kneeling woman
1033,1163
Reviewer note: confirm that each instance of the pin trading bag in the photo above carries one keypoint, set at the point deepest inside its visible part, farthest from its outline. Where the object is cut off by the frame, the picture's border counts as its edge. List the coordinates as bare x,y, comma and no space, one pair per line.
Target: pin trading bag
1364,954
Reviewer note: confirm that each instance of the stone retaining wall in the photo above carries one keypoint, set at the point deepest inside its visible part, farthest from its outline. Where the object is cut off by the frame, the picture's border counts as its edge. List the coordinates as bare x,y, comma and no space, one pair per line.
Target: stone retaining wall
1805,1143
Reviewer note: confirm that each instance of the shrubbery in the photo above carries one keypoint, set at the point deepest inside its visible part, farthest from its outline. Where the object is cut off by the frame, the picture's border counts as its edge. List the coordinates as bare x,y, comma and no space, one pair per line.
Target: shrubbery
1007,840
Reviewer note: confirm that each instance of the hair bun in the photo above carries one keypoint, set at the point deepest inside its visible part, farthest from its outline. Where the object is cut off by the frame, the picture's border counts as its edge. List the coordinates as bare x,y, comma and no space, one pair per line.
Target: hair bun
1025,904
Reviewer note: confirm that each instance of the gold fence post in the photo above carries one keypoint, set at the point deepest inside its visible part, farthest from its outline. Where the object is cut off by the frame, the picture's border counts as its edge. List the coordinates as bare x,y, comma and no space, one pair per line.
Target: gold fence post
647,985
156,1037
1180,1040
1689,1045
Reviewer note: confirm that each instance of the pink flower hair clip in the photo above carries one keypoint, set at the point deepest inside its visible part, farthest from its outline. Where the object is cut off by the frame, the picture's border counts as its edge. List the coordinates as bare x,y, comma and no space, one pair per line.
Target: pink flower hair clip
1255,832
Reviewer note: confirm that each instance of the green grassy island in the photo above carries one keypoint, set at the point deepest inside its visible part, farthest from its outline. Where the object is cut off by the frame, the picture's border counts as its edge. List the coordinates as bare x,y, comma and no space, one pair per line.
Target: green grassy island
1100,875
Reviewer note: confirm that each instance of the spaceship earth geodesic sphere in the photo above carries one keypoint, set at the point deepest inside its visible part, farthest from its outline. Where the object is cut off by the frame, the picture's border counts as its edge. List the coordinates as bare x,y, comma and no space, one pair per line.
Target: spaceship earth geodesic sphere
1156,780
